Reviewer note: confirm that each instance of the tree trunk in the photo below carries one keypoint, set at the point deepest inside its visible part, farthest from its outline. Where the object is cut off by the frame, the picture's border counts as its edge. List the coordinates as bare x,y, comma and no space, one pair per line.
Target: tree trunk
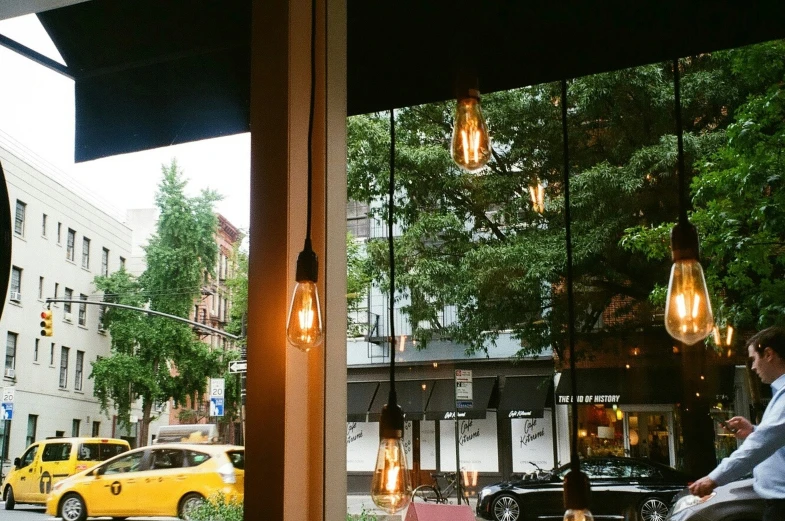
147,407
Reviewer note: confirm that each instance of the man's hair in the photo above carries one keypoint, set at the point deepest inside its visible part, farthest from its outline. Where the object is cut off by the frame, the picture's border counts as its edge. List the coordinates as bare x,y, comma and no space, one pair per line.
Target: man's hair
773,337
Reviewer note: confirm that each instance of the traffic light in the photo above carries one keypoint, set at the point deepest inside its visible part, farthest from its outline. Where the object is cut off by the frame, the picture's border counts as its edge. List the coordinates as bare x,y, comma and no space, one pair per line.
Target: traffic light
46,322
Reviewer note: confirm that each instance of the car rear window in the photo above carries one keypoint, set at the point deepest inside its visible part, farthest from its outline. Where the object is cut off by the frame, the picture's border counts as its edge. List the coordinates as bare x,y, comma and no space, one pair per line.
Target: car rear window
56,452
99,451
237,457
196,458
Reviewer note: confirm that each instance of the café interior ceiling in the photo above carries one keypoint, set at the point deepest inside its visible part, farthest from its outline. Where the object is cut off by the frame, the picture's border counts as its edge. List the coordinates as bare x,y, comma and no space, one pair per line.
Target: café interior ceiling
151,73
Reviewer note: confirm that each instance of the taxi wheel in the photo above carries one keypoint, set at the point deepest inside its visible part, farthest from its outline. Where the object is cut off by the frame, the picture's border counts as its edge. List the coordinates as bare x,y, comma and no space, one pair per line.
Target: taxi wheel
188,504
10,502
72,508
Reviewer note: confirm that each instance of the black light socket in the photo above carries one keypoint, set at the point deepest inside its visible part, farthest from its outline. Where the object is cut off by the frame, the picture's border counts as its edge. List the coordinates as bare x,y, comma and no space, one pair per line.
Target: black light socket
391,421
576,490
307,264
684,242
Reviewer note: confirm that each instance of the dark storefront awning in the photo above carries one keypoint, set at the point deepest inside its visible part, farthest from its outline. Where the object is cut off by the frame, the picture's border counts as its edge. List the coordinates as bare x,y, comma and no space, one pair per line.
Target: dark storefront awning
525,396
644,385
441,406
412,396
359,396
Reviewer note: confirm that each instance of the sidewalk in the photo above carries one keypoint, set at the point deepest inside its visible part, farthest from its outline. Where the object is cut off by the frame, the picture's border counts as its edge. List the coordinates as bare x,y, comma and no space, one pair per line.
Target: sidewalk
356,504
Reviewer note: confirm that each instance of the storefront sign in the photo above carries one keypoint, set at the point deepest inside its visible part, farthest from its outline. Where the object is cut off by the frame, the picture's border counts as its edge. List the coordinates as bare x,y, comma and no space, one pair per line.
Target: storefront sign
362,444
428,445
532,443
591,398
478,444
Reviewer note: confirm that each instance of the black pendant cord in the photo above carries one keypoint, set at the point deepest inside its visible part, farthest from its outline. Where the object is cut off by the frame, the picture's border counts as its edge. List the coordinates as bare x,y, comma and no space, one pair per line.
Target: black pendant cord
574,458
311,125
680,140
391,246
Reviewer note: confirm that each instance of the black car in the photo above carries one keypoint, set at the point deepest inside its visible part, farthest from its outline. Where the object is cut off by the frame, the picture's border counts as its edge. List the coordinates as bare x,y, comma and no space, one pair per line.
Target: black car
621,488
732,502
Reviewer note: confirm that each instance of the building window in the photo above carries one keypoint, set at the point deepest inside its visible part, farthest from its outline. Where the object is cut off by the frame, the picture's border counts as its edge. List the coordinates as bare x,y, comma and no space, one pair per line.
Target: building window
32,427
105,262
64,367
19,223
10,351
40,287
96,429
43,226
57,289
79,370
85,253
69,252
357,221
69,294
82,310
35,349
101,314
75,427
3,442
52,355
122,263
16,284
59,233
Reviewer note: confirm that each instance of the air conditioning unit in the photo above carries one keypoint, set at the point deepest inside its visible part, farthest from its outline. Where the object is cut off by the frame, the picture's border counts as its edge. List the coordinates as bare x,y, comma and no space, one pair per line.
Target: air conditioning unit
16,296
68,317
10,372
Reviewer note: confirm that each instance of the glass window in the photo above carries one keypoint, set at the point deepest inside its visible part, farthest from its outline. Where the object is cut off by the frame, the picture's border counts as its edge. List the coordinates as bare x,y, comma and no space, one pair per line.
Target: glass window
59,233
28,457
606,469
76,424
64,367
166,459
19,223
640,470
56,452
69,294
195,458
122,263
78,374
16,280
129,463
43,226
40,287
237,457
35,349
105,262
32,426
357,221
85,253
10,350
82,310
69,252
97,429
52,354
101,314
99,451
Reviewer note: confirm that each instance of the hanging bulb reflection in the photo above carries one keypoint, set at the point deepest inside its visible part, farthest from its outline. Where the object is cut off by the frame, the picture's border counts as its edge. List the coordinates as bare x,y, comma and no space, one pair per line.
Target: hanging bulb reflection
688,315
304,325
537,194
391,489
471,145
578,515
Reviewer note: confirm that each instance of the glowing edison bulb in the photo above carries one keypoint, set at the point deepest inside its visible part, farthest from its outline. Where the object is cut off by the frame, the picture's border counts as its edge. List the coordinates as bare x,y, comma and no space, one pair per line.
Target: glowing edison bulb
391,489
471,145
304,324
688,315
537,194
578,515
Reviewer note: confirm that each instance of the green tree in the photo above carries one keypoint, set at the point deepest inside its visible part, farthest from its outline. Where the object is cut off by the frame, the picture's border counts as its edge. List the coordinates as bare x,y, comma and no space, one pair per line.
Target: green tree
153,358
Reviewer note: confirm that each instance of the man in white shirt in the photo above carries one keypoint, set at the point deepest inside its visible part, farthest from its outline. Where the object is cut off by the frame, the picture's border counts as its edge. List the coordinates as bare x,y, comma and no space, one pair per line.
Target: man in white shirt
764,445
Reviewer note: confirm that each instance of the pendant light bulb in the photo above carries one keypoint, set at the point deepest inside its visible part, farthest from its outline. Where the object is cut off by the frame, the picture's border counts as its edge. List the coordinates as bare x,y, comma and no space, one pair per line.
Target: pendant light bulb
578,515
391,489
688,314
304,323
471,144
576,497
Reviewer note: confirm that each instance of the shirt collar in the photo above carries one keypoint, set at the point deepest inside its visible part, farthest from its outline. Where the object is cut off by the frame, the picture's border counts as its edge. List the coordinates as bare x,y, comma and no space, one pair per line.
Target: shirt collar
778,384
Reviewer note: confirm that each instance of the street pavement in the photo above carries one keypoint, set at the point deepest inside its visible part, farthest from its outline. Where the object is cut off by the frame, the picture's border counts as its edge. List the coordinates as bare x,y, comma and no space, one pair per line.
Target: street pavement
355,504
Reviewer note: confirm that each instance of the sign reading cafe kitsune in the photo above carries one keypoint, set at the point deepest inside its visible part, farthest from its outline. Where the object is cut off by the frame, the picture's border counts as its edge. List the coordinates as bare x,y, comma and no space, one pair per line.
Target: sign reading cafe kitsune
532,443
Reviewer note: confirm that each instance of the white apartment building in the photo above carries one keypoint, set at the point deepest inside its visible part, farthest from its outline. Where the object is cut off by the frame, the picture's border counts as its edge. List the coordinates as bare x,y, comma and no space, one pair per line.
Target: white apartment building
61,242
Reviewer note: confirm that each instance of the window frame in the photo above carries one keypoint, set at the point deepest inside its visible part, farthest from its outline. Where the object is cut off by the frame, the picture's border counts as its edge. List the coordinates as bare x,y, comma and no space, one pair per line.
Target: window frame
79,371
85,253
19,218
11,343
64,356
70,245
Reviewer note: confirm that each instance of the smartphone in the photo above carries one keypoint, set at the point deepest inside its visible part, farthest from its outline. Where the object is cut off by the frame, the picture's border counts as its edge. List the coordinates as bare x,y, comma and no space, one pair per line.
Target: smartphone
725,424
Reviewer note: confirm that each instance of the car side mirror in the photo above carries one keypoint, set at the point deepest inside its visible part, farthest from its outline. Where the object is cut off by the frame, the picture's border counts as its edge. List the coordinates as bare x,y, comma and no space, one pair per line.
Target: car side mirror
17,462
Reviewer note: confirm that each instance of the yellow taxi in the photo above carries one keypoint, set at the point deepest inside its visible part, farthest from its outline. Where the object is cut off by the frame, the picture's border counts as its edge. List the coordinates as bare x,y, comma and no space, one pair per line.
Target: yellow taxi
48,461
167,479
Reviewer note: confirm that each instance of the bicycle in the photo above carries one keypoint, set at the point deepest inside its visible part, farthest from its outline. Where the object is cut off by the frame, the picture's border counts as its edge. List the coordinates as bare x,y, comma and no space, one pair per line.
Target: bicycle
435,493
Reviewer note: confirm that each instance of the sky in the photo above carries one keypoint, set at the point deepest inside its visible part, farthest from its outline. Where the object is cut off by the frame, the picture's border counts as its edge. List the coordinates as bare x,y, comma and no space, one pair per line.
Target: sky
37,119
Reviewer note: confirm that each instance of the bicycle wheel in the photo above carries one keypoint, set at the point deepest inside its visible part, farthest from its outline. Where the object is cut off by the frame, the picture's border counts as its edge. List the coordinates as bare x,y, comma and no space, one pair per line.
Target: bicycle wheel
426,494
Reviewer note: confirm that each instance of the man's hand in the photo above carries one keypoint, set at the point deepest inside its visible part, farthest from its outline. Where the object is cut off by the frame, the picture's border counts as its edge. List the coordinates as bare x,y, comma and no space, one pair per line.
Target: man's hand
740,426
703,487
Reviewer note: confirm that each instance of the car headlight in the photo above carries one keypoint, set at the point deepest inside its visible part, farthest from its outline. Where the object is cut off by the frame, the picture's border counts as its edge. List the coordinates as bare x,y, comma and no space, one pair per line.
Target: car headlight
690,501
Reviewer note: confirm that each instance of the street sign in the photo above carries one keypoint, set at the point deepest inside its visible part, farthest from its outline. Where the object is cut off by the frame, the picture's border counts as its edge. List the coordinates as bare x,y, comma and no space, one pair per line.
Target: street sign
463,385
8,403
8,411
216,396
8,394
238,366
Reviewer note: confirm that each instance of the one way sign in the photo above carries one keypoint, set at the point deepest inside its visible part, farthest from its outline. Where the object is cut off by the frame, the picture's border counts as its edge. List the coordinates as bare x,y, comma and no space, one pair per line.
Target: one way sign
238,366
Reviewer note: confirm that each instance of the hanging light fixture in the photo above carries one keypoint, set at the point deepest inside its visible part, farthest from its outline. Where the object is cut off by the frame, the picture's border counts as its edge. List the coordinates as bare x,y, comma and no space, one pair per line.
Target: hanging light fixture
537,194
471,144
576,483
688,315
304,322
391,488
